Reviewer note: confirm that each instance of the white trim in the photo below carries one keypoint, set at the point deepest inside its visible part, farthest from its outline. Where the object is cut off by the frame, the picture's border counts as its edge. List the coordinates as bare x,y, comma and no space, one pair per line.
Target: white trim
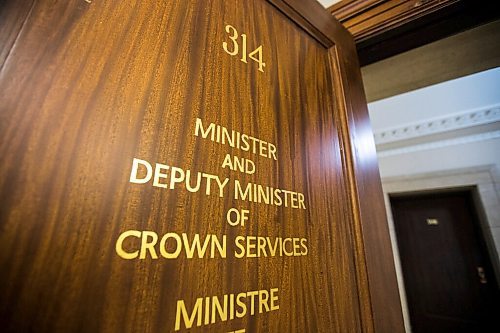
464,119
440,144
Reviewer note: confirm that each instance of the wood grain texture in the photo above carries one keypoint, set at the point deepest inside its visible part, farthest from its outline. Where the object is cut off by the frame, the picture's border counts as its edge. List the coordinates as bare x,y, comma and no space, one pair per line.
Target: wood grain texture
313,18
87,87
370,219
367,18
13,15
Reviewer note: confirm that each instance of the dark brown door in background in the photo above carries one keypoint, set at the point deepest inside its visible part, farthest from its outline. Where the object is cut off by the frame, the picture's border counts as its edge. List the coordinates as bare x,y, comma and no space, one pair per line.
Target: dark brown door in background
448,278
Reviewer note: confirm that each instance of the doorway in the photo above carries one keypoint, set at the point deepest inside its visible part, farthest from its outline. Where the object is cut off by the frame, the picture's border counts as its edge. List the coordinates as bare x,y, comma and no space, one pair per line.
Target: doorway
450,285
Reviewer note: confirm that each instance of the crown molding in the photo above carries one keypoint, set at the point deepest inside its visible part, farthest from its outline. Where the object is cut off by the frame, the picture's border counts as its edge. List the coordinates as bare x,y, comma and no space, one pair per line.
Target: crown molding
440,144
456,121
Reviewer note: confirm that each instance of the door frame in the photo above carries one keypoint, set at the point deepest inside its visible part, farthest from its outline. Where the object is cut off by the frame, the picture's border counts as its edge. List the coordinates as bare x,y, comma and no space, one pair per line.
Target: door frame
481,180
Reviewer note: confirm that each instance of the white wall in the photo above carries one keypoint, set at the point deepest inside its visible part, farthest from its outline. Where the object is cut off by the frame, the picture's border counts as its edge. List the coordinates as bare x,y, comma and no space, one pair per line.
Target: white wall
470,92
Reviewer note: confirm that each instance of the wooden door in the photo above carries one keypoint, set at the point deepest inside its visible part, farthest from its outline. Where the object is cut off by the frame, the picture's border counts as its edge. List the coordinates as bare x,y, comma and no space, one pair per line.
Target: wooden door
187,166
448,277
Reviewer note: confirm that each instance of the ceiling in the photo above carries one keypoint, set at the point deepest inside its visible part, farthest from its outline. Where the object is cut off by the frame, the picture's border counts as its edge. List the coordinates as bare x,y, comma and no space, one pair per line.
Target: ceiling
404,45
462,54
328,3
384,28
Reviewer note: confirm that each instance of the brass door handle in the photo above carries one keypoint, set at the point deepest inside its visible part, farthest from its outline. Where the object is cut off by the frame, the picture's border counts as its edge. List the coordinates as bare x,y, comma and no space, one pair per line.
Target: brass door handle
482,275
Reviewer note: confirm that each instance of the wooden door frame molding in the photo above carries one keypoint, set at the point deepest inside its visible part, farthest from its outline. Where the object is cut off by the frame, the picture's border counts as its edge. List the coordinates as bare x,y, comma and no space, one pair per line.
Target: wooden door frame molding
377,283
367,18
384,28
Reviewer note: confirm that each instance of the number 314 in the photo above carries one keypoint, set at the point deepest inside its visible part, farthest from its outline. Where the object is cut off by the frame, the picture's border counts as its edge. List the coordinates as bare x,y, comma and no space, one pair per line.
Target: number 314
234,49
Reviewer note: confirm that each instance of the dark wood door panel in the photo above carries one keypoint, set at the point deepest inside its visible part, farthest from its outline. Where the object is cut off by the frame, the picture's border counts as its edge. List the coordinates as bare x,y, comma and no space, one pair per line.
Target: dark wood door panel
87,89
443,254
13,15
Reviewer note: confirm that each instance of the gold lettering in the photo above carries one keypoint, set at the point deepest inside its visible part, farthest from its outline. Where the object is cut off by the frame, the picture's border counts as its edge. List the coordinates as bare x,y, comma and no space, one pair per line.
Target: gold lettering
221,310
227,162
244,140
188,320
163,248
296,247
235,139
242,305
301,201
252,295
212,309
188,182
158,174
204,133
195,244
176,176
215,244
221,185
194,248
277,197
238,193
207,310
272,250
251,246
263,298
268,195
272,151
240,246
231,306
236,163
135,170
274,299
148,245
263,193
255,55
303,242
119,244
289,254
261,246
